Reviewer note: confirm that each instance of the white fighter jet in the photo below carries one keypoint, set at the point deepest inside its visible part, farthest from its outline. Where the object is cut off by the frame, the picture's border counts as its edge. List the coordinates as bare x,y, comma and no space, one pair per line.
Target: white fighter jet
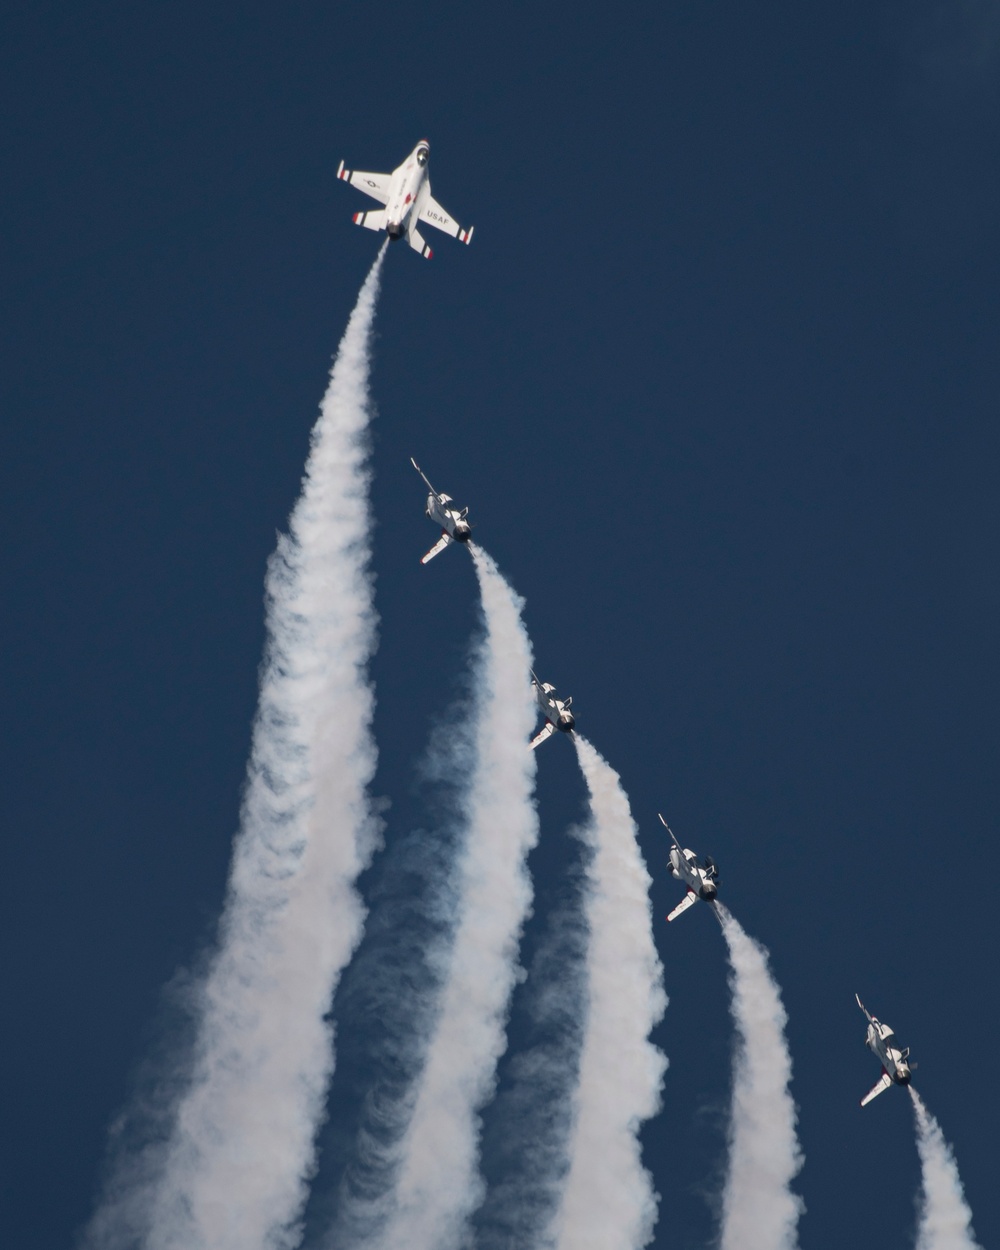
406,194
896,1067
556,711
442,511
701,879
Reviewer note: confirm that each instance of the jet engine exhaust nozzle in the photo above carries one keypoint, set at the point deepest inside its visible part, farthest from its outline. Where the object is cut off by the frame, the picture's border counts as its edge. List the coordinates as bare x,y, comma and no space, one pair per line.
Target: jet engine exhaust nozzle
902,1076
708,892
395,230
566,722
463,533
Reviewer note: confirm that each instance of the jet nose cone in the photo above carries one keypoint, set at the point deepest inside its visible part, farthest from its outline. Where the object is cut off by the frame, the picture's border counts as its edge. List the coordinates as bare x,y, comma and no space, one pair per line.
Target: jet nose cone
463,532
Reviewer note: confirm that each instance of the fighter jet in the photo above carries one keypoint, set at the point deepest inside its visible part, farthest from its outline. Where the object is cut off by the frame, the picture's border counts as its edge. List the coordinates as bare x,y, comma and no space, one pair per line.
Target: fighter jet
881,1041
556,711
442,511
701,878
406,194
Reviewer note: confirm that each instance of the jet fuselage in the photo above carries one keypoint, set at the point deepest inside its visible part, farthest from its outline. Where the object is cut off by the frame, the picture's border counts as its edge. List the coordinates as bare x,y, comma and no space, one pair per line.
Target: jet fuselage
405,190
881,1041
441,510
554,710
697,877
895,1059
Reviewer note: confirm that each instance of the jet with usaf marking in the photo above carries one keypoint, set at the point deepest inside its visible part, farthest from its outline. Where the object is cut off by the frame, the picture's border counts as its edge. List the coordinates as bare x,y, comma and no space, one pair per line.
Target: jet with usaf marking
700,877
441,509
895,1059
406,195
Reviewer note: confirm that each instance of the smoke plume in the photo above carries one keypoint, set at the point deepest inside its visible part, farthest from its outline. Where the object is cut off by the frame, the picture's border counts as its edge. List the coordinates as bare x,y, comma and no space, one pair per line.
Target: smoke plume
230,1169
528,1126
389,999
439,1184
759,1209
945,1218
609,1199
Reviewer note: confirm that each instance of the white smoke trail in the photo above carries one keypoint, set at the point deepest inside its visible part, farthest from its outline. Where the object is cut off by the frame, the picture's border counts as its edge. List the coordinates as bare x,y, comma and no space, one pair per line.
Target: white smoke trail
609,1198
232,1172
389,997
759,1209
945,1218
439,1184
527,1128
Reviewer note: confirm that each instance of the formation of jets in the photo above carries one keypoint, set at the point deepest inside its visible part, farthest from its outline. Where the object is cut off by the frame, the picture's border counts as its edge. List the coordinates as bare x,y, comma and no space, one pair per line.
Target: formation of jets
406,196
455,527
895,1059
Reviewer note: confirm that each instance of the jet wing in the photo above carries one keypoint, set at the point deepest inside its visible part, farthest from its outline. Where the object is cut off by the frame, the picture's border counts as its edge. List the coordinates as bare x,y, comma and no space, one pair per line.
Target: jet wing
444,541
884,1082
864,1009
671,832
547,730
687,901
432,212
424,476
375,185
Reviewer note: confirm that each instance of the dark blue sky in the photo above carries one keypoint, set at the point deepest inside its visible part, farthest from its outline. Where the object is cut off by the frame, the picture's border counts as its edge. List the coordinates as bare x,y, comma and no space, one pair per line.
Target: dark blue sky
718,377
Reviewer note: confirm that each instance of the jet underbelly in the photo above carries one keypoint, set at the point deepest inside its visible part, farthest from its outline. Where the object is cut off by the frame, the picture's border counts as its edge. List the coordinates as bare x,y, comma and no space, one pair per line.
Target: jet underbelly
403,201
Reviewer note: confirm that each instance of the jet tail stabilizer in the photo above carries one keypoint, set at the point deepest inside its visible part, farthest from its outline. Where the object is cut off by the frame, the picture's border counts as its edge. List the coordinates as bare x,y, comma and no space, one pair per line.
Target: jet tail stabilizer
546,732
687,901
417,242
885,1080
444,541
375,220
